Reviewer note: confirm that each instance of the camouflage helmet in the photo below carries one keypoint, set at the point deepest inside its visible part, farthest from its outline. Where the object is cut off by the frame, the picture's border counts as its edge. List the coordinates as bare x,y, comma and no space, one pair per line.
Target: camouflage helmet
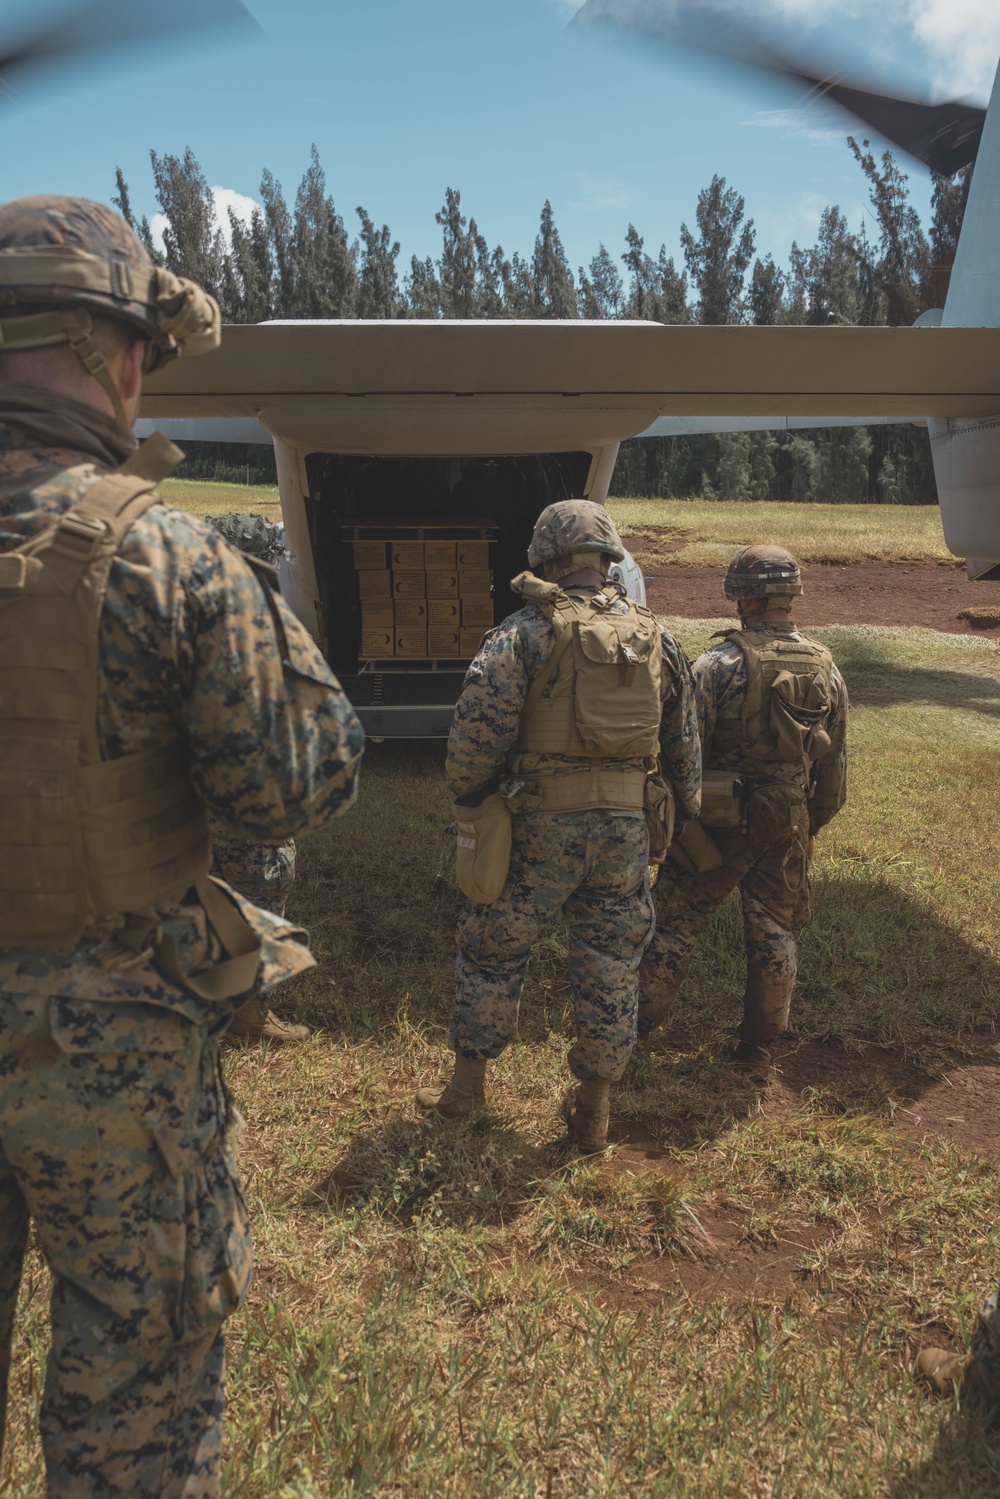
571,527
64,259
761,572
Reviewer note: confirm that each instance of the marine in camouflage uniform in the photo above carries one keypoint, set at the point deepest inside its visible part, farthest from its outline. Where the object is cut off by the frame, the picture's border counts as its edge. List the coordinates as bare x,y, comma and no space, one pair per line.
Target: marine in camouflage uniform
263,872
113,1113
766,858
590,865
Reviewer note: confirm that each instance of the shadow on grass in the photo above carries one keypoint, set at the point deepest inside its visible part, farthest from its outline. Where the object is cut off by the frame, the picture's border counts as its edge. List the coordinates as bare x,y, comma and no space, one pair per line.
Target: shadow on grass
890,998
965,1464
479,1171
892,684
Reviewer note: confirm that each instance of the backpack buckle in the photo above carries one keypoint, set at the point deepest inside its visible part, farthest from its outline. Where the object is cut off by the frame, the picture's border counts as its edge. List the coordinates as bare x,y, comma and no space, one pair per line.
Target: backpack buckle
78,536
628,660
13,571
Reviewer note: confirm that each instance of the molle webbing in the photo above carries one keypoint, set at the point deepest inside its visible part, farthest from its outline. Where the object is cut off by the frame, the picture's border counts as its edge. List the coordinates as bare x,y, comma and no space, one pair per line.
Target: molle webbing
83,838
598,696
608,787
804,663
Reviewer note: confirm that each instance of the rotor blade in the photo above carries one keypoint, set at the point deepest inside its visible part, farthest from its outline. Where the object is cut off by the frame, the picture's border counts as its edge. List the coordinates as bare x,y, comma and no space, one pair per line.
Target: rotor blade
944,136
113,23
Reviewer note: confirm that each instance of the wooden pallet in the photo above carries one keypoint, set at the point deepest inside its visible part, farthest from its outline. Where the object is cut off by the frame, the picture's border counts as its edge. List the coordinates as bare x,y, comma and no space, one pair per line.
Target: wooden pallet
399,530
412,663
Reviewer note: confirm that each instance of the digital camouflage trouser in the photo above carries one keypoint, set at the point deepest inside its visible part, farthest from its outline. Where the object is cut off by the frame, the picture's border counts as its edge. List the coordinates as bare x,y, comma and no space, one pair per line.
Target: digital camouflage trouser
593,867
113,1142
263,872
774,890
985,1346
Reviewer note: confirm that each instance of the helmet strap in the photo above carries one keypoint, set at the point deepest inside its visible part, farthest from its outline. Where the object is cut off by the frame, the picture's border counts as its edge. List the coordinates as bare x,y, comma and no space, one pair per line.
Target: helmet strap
94,363
73,326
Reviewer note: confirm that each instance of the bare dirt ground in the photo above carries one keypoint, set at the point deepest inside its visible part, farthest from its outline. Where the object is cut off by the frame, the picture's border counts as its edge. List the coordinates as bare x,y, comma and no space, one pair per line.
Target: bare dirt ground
931,594
961,1103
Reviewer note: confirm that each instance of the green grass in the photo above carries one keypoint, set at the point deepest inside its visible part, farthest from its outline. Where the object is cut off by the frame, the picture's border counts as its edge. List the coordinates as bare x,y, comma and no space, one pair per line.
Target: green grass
201,498
706,531
468,1310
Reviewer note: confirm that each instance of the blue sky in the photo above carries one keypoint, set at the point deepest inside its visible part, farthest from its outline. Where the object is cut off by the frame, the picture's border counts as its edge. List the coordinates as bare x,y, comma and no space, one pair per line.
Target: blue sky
500,101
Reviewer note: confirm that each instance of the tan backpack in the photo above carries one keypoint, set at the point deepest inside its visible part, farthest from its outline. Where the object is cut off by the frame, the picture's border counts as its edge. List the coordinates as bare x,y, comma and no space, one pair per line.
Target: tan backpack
787,702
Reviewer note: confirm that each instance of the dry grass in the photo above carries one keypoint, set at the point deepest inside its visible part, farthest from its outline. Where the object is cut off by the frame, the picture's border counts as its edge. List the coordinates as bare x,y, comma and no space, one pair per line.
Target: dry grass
728,1305
706,531
201,498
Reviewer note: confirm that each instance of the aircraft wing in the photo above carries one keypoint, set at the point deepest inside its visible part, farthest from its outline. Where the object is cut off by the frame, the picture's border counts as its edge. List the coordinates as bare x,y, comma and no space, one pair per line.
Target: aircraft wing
712,426
409,386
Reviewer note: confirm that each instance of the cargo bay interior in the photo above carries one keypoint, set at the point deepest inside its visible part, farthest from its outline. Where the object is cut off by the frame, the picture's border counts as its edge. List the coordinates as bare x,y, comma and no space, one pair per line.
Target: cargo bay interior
417,526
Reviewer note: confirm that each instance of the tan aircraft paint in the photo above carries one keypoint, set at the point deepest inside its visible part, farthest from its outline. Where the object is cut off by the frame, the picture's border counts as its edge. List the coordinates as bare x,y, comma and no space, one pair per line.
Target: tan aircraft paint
460,387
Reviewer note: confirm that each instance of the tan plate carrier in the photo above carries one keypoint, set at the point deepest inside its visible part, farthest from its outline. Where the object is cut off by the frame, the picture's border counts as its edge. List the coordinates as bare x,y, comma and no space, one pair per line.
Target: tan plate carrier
83,838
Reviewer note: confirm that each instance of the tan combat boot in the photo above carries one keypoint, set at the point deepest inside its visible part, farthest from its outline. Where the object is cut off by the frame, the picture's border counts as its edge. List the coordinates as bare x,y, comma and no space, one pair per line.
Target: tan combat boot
655,1000
255,1022
748,1056
586,1116
463,1096
943,1369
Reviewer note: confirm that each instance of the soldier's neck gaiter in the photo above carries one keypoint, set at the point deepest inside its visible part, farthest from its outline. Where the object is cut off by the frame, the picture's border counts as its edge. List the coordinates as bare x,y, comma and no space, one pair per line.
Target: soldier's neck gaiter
54,420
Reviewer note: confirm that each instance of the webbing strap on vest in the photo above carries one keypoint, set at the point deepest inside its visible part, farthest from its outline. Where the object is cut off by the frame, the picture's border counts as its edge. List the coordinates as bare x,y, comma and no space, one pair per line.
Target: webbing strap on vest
84,839
229,979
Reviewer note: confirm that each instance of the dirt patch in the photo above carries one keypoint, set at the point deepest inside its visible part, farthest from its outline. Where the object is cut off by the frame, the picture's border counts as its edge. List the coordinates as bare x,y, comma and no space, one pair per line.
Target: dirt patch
722,1267
932,594
960,1104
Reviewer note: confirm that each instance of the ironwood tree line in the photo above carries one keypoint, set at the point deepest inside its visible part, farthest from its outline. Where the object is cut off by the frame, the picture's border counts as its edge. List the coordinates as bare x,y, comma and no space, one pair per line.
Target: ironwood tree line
297,259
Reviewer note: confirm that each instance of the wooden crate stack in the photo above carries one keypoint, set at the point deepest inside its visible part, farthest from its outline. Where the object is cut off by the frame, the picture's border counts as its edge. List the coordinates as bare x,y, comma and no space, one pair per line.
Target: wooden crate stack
424,592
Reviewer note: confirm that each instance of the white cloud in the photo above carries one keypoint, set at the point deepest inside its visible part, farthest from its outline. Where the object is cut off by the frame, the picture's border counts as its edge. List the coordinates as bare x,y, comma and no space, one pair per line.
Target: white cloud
796,122
798,220
961,38
601,192
224,199
964,38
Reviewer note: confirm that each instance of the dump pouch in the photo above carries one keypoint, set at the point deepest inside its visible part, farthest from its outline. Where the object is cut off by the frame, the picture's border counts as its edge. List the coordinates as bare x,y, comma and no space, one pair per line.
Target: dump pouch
694,849
721,799
658,807
776,811
482,848
797,718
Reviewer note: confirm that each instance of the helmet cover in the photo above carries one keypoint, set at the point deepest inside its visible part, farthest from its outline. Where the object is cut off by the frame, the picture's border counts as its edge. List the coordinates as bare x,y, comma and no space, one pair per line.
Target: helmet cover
75,253
758,572
571,526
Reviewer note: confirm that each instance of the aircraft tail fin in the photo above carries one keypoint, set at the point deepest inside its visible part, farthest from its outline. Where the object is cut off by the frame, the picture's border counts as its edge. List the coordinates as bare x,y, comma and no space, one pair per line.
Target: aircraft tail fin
974,291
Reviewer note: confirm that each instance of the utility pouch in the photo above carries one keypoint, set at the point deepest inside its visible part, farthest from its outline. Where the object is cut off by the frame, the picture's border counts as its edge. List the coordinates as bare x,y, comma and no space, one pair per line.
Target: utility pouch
721,799
658,807
798,717
776,811
694,849
482,848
